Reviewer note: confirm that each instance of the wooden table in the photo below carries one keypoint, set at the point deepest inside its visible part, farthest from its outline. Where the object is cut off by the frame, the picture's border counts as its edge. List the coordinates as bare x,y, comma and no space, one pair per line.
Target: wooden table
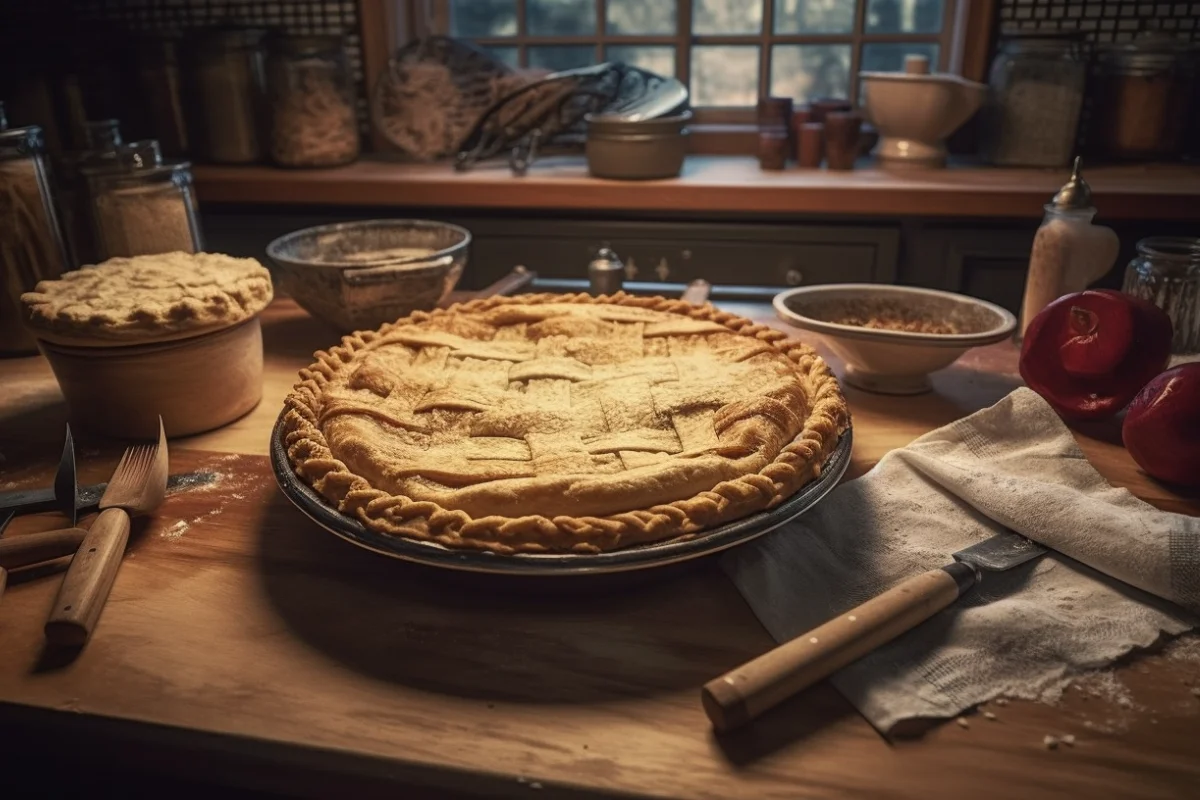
244,645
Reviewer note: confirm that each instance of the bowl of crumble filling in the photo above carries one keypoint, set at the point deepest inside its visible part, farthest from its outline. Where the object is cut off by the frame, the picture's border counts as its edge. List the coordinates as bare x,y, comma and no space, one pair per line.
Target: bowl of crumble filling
892,337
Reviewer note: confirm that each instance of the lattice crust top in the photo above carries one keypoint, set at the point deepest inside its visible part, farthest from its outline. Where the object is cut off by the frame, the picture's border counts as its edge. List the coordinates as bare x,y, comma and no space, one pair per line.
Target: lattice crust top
562,423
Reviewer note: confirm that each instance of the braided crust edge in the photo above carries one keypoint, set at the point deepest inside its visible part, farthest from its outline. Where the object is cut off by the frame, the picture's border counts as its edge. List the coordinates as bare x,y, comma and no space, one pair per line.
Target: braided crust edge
797,463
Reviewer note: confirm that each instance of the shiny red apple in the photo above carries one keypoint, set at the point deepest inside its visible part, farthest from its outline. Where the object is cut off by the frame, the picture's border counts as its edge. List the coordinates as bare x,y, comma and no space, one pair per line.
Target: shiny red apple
1090,352
1162,427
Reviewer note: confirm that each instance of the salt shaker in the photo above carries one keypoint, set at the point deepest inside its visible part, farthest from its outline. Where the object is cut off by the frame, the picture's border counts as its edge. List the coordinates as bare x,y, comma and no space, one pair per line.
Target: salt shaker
1069,251
605,273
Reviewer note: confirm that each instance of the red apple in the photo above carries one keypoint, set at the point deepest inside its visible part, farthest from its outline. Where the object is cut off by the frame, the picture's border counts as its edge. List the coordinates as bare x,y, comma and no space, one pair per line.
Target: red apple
1162,426
1090,352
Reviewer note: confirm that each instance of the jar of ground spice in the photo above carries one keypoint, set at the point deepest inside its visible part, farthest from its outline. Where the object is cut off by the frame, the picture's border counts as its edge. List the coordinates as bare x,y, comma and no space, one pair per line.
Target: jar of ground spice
1035,94
142,205
227,86
310,91
102,138
32,247
1143,91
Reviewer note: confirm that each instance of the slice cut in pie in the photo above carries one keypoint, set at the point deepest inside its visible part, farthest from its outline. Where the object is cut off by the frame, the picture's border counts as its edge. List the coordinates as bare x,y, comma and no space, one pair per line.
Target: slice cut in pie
552,423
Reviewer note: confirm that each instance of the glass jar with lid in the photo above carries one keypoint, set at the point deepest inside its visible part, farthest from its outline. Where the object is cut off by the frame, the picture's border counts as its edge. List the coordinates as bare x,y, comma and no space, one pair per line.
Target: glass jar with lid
227,85
1035,94
142,205
32,247
1166,271
101,140
310,91
1143,92
161,83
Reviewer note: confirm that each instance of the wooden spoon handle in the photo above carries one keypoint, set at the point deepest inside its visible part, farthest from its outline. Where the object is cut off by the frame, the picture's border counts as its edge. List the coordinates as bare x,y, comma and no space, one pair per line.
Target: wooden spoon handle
746,692
33,548
511,283
88,580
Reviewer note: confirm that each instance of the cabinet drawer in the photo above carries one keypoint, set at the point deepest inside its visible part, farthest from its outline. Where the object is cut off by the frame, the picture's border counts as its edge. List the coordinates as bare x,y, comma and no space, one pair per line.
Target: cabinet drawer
750,255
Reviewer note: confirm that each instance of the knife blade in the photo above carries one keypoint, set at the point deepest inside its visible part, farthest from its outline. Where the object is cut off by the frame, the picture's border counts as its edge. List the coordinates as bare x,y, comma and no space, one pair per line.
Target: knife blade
742,694
66,485
87,500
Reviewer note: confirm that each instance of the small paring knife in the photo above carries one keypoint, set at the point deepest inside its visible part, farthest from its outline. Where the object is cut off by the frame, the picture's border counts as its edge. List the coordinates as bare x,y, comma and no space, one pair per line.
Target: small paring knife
66,484
746,692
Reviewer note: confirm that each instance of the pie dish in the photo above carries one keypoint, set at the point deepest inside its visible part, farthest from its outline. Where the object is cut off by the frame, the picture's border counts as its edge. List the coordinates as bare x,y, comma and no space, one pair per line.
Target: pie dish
561,424
147,299
174,335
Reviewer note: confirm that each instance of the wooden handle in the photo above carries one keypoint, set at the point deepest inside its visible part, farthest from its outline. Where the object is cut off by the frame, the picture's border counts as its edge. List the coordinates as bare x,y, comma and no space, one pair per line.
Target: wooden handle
3,580
33,548
742,694
511,283
88,580
696,292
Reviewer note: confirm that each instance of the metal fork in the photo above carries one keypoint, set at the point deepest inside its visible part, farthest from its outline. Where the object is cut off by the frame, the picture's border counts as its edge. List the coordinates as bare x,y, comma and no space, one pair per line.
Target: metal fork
137,487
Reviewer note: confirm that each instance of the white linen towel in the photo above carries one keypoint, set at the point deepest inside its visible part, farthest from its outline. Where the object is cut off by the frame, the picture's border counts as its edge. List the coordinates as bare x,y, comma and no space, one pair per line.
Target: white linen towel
1019,633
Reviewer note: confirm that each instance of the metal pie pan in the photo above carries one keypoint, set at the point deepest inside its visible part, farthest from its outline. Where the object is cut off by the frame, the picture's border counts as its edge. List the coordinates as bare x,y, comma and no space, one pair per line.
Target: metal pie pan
638,557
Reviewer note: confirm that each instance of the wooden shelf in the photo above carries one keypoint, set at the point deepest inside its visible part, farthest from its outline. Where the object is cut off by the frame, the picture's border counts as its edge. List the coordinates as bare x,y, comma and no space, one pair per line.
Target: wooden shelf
716,185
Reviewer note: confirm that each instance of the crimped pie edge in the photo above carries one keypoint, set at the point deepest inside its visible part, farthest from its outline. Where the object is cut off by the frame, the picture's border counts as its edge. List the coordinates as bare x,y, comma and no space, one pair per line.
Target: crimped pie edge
247,282
795,465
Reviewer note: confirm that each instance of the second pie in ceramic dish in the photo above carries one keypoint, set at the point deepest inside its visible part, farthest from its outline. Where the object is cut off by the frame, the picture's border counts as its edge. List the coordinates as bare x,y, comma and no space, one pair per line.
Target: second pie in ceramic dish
551,423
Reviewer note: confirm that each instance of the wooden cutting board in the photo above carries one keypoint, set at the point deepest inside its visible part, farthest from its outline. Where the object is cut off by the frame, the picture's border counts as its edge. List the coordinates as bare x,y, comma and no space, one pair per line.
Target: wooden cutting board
234,615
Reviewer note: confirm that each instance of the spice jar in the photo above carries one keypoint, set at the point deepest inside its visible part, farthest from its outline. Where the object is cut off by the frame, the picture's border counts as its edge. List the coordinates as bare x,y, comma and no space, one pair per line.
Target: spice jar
160,81
141,205
32,247
228,84
1142,98
1069,251
101,139
1166,271
310,92
1035,93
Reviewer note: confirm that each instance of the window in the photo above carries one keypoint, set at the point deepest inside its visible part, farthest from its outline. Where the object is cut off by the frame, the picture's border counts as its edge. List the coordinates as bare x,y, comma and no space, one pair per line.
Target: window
727,51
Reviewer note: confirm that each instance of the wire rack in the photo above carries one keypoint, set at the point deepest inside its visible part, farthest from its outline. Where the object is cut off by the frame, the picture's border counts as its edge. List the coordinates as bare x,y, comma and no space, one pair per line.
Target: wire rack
336,17
1102,21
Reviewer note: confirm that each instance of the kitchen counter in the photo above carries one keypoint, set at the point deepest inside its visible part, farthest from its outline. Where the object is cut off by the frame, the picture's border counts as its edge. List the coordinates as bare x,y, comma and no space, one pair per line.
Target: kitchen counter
714,185
242,644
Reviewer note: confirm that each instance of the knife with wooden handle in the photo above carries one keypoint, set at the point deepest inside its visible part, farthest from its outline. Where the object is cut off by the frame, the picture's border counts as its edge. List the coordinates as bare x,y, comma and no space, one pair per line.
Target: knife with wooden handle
739,696
137,487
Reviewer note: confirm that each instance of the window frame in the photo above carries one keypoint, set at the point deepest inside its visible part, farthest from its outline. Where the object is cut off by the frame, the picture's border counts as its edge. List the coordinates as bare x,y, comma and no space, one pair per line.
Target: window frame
964,47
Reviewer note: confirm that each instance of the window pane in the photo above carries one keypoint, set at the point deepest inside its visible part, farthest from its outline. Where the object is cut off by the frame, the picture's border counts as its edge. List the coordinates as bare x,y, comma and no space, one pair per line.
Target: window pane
806,72
657,59
904,16
560,17
727,16
890,57
506,54
644,17
814,16
562,56
470,18
724,75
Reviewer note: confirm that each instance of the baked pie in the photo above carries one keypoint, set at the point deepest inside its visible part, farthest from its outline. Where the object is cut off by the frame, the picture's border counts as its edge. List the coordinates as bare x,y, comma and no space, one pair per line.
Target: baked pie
150,298
552,423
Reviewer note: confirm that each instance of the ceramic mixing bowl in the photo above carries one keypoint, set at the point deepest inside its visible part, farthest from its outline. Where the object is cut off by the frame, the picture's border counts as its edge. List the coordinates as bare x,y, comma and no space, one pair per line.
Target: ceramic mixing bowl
359,275
935,328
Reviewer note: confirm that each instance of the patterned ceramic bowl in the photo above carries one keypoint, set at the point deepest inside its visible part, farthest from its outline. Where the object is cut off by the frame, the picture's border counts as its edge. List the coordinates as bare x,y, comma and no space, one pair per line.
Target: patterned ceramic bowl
892,337
359,275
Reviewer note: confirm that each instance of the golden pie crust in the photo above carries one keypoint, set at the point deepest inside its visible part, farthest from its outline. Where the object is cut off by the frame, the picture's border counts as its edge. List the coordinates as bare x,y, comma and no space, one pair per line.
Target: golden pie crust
552,423
145,299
